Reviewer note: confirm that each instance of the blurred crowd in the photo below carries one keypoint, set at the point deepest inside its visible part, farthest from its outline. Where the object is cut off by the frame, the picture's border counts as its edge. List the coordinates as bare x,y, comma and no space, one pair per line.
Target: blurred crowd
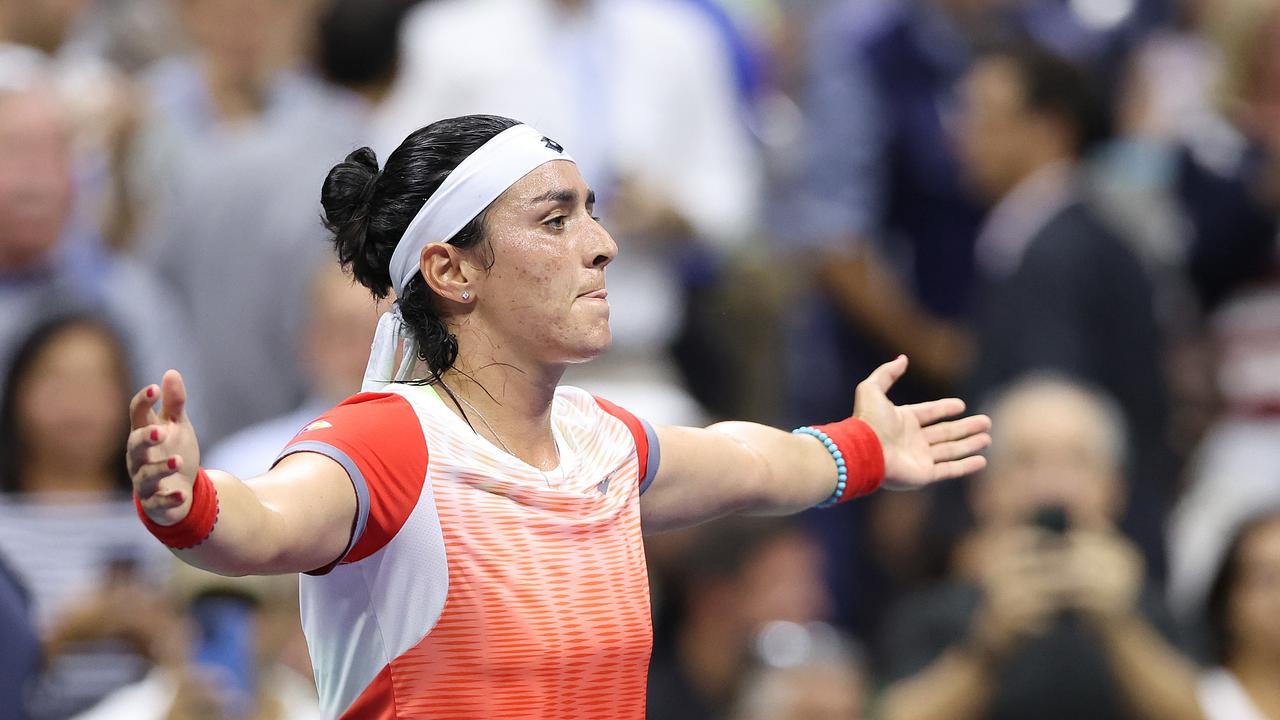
1064,211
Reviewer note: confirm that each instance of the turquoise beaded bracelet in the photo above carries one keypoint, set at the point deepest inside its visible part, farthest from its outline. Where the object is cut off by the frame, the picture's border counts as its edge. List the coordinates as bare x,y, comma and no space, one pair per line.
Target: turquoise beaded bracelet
842,473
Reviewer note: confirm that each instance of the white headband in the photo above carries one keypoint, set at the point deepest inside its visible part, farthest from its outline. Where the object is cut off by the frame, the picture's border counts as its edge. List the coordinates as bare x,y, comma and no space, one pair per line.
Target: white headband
477,181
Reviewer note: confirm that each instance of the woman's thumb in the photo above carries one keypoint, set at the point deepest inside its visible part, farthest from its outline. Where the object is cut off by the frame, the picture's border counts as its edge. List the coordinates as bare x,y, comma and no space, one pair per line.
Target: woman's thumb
174,394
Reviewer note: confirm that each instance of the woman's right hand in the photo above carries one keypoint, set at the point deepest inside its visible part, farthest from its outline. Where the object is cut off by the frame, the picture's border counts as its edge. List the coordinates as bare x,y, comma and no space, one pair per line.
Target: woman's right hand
163,454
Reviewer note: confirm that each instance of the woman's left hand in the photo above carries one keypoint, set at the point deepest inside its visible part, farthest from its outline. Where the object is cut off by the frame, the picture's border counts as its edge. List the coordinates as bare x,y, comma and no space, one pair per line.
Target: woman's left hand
921,446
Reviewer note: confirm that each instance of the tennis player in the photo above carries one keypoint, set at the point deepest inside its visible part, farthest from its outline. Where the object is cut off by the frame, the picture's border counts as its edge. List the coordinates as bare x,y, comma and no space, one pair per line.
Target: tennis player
470,531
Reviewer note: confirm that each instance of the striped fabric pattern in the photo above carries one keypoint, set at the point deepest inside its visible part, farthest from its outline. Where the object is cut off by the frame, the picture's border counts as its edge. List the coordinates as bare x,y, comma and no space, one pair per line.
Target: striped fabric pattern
506,592
63,547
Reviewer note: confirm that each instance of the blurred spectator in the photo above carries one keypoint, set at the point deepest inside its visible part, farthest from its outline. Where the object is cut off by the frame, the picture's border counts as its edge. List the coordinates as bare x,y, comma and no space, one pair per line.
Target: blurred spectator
239,67
110,636
1172,181
34,34
37,34
231,74
1186,179
1169,124
806,672
229,636
1233,199
1059,291
881,203
67,525
881,195
37,38
1237,469
641,92
21,658
1244,617
36,270
62,472
42,25
735,576
341,318
130,34
1046,614
253,213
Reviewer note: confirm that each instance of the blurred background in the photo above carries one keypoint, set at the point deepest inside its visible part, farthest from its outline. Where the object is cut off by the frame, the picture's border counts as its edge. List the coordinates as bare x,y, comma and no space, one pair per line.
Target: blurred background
1064,211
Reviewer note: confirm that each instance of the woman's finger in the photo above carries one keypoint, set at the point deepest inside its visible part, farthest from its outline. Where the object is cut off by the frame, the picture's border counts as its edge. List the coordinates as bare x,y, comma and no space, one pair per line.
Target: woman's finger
883,377
175,396
148,455
958,449
957,429
140,407
958,468
928,413
144,446
147,436
146,483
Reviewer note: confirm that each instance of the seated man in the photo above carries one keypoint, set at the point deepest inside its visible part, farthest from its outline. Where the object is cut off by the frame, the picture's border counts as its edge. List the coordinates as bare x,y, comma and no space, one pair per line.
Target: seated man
1046,614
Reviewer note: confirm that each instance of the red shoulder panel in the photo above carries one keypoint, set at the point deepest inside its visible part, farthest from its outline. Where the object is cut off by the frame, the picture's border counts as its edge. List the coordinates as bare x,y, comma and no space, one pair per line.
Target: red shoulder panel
379,433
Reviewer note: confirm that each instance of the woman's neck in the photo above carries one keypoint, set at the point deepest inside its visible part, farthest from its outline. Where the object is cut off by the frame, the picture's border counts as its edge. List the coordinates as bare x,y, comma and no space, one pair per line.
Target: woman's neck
509,403
53,477
1257,671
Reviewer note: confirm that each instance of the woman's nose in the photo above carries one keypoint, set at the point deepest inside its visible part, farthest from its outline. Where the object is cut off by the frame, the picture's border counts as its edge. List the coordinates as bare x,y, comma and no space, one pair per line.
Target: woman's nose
603,249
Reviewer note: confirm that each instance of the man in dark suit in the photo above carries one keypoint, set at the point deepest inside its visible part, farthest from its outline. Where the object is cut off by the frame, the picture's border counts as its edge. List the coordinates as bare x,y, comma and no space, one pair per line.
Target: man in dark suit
1058,290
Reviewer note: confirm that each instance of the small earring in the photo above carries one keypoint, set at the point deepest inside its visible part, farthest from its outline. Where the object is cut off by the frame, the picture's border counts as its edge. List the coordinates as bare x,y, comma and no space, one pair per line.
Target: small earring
466,294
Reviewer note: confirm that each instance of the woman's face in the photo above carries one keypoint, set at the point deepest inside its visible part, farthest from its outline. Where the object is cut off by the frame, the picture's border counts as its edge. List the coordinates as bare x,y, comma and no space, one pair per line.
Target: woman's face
544,292
69,401
1255,602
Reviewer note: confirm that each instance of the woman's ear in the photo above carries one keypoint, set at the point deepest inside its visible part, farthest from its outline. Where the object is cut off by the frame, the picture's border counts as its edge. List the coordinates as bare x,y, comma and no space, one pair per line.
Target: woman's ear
448,272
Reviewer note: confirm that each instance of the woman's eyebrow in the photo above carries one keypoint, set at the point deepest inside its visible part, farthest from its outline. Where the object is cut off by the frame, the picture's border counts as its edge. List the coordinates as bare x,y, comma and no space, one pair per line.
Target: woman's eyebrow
563,195
557,196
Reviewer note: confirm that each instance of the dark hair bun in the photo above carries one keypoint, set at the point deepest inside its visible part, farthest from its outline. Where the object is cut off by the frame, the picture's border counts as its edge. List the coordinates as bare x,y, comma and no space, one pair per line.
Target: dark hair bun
368,211
347,196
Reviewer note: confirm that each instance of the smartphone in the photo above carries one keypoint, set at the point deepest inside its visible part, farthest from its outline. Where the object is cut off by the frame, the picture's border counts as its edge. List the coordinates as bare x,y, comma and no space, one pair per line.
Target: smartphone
1052,519
228,648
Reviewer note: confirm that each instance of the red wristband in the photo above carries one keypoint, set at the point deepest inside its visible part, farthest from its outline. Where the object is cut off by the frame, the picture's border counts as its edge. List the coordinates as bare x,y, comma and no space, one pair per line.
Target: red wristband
196,526
863,456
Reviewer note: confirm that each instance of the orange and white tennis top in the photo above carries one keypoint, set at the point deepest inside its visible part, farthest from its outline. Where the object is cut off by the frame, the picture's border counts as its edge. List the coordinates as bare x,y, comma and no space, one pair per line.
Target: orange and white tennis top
476,586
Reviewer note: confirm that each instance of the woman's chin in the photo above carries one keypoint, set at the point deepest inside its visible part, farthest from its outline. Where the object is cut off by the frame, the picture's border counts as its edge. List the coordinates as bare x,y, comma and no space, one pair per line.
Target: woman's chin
592,347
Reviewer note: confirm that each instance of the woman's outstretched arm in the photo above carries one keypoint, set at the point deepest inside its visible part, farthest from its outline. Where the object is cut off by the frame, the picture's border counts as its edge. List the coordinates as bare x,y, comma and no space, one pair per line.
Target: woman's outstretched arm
296,517
745,467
